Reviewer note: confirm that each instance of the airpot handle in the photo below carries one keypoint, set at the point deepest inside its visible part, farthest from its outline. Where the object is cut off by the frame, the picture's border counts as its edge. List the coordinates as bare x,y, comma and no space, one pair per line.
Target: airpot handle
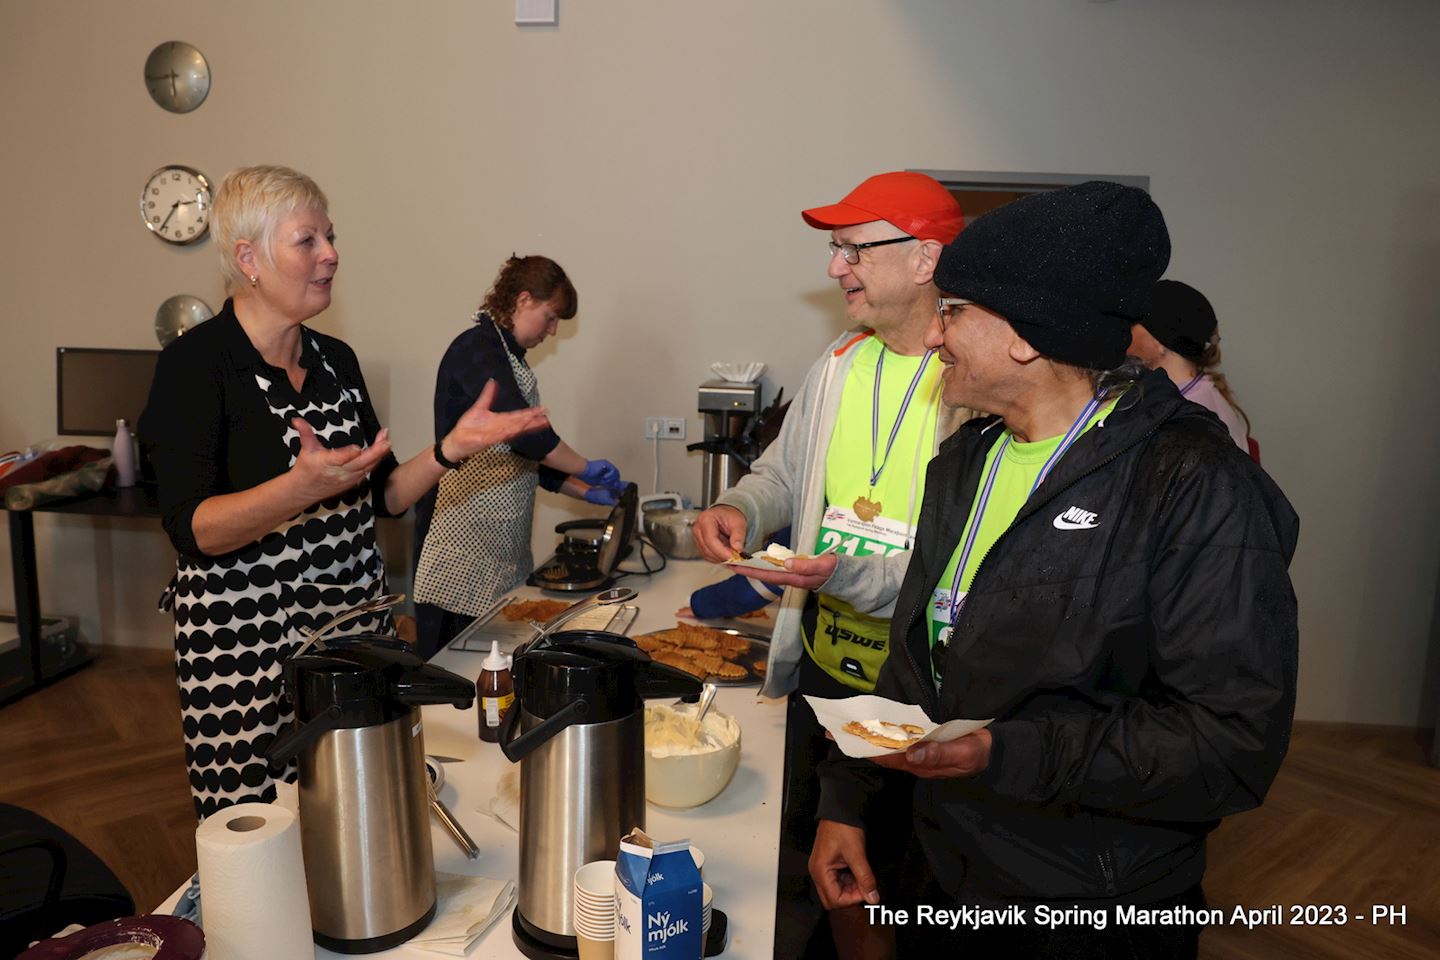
525,744
298,735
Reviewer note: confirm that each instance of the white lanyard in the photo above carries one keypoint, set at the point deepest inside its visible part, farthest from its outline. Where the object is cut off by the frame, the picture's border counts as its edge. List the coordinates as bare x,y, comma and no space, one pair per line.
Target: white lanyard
1070,437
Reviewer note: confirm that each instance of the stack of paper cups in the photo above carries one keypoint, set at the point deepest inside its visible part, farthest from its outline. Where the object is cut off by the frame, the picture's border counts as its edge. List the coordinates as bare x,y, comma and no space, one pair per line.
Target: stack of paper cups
707,903
252,883
595,903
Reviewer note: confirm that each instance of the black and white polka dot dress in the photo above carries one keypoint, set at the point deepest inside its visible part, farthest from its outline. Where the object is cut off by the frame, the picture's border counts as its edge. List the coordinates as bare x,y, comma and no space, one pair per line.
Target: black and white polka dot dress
478,545
239,617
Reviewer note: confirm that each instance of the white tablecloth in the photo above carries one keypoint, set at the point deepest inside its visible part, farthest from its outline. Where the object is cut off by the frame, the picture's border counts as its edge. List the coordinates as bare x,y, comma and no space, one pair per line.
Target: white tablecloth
739,830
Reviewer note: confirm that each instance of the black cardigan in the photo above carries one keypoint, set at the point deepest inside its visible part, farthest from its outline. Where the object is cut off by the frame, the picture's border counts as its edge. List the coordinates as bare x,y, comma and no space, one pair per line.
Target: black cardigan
474,358
207,427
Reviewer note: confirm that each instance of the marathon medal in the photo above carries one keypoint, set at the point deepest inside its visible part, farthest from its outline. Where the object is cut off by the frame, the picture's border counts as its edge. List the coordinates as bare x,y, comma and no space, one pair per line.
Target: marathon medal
867,509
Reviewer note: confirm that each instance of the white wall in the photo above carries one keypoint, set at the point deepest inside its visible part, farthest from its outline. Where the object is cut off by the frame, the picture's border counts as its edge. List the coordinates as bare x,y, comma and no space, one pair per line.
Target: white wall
662,151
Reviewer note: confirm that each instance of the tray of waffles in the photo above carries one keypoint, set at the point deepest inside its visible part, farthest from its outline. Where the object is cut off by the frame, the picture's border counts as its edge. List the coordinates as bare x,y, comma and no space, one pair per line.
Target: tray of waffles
716,655
512,621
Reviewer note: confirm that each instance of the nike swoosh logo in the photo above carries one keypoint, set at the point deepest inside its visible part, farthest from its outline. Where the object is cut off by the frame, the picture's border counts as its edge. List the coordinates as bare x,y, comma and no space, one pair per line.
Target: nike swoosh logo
1062,524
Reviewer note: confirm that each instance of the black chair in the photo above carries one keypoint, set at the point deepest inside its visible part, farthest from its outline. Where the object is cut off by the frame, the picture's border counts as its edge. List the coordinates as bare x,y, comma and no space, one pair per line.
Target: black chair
49,880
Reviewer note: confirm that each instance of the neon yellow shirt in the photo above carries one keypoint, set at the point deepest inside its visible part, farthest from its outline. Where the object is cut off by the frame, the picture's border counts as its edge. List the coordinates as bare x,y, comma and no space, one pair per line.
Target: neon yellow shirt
848,645
1013,482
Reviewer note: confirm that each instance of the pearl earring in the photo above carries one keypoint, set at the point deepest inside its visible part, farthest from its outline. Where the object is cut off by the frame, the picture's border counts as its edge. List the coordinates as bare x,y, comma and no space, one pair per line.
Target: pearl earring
254,280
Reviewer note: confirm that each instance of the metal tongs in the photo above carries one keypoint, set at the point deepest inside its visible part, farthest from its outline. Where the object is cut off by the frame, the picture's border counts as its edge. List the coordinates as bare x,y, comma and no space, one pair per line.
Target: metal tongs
604,598
383,602
434,780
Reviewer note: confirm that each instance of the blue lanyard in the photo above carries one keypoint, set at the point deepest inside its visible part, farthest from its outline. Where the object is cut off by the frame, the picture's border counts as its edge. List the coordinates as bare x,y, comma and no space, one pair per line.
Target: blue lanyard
1071,435
1191,385
899,417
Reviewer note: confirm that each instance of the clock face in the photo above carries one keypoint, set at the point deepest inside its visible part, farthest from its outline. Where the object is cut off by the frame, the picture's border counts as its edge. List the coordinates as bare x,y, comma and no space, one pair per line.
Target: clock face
176,204
177,76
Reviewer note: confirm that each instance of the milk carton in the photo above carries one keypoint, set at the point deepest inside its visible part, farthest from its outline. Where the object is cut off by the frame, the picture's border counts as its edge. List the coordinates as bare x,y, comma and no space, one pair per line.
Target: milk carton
660,910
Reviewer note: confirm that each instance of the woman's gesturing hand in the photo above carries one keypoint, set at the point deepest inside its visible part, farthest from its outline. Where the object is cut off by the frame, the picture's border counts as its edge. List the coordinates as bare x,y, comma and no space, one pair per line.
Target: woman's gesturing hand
480,427
323,472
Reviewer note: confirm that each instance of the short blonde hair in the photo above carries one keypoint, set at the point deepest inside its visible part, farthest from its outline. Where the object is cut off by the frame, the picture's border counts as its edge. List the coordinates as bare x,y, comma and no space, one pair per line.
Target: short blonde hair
249,205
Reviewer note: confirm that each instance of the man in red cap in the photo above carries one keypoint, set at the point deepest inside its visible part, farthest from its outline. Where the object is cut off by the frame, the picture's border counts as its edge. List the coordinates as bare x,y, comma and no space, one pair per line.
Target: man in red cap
846,473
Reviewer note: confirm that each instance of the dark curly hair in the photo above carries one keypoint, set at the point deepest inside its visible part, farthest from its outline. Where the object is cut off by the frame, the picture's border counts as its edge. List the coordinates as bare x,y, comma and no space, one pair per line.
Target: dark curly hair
538,276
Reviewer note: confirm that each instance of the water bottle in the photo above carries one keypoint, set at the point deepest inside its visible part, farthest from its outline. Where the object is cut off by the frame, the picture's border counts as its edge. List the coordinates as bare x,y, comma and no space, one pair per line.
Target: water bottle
123,452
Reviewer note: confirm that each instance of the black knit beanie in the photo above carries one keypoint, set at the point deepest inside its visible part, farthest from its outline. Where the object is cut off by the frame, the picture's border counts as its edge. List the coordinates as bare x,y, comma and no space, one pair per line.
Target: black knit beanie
1180,318
1070,269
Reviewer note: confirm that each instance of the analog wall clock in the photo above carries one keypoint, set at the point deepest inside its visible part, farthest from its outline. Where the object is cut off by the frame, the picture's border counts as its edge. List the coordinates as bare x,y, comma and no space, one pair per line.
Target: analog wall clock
178,314
175,204
177,76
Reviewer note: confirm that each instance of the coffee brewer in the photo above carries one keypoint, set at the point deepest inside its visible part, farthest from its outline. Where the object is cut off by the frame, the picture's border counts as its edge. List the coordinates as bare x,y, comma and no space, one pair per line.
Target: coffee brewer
727,409
364,805
577,728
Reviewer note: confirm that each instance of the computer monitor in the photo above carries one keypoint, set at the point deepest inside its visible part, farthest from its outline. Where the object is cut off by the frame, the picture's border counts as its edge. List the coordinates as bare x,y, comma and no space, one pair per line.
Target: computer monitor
96,387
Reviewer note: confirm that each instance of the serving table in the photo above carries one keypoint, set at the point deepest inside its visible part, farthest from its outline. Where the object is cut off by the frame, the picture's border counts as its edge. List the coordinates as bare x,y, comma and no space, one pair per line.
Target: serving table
738,830
31,665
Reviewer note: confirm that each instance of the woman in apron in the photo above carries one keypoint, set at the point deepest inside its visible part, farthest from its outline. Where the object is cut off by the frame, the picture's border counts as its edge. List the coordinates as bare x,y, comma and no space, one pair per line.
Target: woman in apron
272,467
472,534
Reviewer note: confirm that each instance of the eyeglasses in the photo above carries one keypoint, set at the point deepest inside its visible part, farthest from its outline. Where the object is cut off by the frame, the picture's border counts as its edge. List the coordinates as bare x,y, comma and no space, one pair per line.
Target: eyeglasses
851,251
948,307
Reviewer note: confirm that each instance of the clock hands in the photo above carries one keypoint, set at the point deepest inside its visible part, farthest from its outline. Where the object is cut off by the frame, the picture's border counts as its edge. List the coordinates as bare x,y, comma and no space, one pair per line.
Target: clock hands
173,207
171,76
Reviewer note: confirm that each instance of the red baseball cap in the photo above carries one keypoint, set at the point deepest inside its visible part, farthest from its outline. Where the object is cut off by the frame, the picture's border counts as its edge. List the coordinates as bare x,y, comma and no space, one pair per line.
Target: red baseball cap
914,202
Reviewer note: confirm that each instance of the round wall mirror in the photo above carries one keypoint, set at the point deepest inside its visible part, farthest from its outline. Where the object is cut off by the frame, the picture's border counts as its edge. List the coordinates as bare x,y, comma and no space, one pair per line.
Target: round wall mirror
180,313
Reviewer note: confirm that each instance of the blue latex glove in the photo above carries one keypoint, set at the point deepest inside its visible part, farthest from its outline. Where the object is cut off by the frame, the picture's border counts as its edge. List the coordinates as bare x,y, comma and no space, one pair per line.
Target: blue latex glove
600,473
604,496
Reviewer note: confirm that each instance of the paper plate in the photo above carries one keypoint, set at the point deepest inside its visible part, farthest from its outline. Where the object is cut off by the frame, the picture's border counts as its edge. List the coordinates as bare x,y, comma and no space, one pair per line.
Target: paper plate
759,564
834,714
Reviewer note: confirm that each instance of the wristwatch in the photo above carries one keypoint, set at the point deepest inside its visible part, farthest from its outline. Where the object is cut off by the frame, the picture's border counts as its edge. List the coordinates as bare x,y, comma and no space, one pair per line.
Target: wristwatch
440,457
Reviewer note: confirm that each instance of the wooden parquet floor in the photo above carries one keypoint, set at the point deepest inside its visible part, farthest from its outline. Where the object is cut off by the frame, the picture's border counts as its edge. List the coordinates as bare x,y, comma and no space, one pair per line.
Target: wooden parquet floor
1353,820
100,754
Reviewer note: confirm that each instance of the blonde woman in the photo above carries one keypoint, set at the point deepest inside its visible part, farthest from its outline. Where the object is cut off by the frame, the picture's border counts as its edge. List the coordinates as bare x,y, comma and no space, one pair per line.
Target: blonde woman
272,467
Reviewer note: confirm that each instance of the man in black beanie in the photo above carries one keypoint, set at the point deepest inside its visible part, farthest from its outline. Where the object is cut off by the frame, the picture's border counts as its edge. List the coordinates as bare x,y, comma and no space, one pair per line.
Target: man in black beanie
1101,571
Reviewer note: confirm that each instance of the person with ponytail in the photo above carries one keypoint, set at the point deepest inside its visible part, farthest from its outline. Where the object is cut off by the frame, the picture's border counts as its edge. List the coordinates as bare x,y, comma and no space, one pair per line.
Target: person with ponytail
1180,336
472,533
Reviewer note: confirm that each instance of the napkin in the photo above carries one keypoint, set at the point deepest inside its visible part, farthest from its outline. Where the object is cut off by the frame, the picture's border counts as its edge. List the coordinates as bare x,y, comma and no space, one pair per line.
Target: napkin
505,805
834,714
465,909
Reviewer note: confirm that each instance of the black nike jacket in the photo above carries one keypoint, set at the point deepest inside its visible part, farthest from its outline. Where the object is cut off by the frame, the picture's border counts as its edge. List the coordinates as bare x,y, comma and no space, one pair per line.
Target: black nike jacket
1139,658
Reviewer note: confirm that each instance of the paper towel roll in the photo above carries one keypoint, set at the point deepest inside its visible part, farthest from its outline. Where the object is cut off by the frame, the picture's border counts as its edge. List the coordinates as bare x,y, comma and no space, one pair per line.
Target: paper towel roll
252,884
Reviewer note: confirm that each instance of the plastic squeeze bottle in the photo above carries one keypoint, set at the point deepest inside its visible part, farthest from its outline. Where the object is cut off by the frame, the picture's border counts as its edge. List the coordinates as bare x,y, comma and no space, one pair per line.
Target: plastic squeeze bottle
497,692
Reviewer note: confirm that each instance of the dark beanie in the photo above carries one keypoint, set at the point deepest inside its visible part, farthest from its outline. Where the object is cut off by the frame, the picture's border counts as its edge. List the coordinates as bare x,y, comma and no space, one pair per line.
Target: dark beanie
1180,318
1070,269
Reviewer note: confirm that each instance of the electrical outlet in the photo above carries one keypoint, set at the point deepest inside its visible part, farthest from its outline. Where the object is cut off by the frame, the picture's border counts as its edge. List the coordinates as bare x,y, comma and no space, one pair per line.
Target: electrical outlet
665,428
